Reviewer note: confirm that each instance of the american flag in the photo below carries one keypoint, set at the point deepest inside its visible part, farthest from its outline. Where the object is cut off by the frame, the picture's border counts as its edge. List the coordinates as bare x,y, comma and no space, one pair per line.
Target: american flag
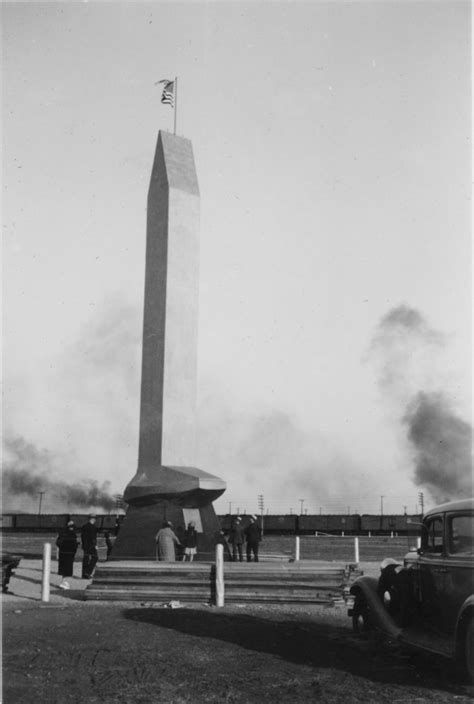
167,96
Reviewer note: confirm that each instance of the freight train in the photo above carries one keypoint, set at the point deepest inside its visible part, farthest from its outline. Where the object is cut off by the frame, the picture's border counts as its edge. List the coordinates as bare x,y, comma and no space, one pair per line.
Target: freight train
53,522
273,524
335,524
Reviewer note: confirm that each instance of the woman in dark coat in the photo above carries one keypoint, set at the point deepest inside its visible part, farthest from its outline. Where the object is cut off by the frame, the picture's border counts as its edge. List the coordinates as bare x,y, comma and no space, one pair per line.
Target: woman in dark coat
190,542
67,543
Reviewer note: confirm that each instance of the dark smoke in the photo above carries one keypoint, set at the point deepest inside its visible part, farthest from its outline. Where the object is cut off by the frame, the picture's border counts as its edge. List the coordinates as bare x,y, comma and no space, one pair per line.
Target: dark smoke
28,470
408,350
442,444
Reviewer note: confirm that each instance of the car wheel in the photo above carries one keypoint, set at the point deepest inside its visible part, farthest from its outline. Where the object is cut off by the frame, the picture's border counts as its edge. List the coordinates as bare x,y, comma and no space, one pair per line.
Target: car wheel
469,650
361,622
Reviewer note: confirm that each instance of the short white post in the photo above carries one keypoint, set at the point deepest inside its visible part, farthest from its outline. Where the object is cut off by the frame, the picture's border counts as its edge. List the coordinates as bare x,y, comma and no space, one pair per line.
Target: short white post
370,534
297,548
219,575
46,572
418,543
356,550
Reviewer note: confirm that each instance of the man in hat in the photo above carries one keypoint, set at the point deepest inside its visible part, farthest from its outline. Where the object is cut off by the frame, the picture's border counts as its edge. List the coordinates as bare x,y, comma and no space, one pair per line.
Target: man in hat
253,535
89,546
67,545
236,539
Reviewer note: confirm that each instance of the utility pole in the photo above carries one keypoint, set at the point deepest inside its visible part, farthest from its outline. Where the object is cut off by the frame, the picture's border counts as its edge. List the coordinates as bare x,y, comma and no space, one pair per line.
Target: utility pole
230,508
381,505
261,507
39,507
301,510
421,500
40,501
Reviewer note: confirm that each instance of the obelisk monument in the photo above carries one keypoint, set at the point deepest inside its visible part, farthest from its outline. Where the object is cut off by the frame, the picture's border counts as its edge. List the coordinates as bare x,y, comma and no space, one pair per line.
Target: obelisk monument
168,485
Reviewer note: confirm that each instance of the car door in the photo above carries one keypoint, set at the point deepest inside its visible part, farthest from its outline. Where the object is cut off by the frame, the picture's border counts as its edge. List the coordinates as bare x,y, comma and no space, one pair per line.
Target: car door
459,566
432,572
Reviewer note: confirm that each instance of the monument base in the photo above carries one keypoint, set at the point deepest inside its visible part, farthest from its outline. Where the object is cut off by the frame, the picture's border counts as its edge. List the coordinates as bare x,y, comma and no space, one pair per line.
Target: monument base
136,539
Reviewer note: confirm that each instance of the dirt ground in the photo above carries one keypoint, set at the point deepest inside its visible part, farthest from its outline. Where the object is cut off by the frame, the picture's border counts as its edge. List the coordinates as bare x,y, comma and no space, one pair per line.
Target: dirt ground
71,650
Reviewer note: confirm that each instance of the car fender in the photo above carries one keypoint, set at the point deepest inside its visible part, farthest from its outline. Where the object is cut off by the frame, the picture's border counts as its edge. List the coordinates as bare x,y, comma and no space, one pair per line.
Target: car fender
466,610
380,618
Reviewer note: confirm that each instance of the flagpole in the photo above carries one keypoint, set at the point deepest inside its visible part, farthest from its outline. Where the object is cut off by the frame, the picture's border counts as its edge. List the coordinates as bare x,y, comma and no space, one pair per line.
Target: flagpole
175,101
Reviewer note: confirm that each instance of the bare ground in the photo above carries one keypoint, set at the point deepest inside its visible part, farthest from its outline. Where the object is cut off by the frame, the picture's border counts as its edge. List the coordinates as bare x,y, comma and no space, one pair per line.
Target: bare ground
70,650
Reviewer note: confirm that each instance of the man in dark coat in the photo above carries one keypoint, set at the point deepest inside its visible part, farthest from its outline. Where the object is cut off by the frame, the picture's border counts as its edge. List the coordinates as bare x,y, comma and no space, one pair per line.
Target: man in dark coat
67,544
236,539
89,545
253,536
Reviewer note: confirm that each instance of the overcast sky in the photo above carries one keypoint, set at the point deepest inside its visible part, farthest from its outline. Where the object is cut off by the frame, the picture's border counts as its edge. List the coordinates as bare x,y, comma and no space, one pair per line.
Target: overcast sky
332,143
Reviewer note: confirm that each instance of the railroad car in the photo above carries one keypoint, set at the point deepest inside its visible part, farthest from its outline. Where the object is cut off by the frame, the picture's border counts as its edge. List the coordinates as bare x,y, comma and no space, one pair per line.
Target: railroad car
333,524
280,524
386,525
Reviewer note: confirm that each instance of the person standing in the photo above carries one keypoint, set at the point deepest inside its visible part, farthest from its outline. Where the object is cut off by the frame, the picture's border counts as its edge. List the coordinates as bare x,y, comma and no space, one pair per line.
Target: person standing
253,535
89,546
165,543
109,542
67,544
236,539
190,542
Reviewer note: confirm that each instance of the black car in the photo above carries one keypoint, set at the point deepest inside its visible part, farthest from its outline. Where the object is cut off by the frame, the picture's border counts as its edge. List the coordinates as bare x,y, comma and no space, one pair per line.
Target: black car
427,601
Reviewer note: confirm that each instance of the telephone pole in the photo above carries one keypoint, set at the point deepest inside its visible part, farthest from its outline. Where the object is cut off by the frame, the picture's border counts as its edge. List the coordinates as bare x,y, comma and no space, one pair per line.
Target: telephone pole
421,500
261,507
39,507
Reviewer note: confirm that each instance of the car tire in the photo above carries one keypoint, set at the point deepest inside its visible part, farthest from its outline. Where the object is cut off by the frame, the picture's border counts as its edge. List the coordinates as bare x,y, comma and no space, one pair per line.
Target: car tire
468,650
361,621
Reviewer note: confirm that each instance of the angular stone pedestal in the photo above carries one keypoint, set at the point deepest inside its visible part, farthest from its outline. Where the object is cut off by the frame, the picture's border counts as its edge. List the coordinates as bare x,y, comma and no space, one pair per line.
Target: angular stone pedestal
136,540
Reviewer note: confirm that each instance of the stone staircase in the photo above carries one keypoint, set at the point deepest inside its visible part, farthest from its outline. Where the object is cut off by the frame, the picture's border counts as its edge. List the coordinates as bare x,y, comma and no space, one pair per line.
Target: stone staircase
310,582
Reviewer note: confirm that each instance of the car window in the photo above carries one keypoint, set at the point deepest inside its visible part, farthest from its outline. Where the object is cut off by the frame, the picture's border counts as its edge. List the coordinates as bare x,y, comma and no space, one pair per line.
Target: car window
433,535
461,534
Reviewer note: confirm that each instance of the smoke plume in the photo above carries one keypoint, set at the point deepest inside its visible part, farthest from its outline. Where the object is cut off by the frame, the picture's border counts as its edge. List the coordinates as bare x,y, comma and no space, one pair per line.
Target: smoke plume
269,452
27,471
83,406
442,444
409,354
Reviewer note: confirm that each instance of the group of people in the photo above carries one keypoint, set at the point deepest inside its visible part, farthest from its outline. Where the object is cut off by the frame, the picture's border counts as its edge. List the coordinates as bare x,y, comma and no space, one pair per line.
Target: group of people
251,535
168,543
67,544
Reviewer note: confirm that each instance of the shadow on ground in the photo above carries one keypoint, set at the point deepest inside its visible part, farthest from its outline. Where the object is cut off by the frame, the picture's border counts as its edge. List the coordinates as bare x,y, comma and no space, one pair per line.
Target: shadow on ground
317,644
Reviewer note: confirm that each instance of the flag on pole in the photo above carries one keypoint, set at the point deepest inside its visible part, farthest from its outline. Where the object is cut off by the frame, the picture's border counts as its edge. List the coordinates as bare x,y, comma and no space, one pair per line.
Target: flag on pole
167,96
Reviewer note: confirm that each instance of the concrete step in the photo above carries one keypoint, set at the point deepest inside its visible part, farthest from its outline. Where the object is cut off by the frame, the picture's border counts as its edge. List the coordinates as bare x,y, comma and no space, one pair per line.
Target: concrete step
308,582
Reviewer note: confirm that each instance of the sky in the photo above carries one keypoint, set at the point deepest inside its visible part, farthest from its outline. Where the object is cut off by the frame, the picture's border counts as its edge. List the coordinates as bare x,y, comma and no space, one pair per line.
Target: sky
332,143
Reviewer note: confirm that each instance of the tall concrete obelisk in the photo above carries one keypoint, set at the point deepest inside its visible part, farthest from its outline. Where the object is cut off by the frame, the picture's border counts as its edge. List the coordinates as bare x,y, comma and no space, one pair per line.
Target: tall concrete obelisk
168,485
